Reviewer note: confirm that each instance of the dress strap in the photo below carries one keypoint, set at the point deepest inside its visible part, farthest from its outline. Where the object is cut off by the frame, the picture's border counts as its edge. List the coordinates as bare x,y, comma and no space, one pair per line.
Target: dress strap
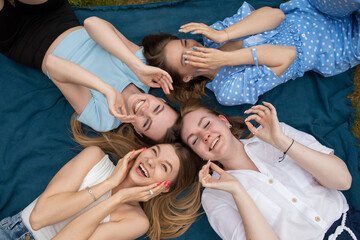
342,227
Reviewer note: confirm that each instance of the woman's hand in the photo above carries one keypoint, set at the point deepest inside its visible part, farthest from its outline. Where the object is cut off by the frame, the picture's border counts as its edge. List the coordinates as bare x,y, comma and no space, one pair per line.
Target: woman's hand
115,102
205,59
206,31
266,116
155,77
142,194
226,182
122,167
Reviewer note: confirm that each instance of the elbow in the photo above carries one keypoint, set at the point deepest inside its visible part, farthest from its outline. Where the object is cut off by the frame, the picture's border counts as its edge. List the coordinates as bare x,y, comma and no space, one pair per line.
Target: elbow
35,220
91,21
50,63
345,183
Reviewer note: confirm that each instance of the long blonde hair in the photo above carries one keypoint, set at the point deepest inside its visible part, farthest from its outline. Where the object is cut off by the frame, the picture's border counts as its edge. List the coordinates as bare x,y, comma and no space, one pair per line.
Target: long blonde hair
172,213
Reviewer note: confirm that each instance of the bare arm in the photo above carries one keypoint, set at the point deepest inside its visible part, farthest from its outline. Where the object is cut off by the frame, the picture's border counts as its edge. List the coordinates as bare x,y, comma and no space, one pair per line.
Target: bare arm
61,198
260,20
107,36
277,58
329,170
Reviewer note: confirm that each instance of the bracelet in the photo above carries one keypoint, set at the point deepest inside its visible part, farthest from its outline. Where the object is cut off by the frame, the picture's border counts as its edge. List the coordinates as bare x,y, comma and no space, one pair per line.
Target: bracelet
227,34
91,193
283,156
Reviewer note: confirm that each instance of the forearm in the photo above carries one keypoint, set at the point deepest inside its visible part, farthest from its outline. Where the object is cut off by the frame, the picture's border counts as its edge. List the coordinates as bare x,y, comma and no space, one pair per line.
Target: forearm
329,170
85,225
263,19
255,224
65,71
277,58
111,40
53,209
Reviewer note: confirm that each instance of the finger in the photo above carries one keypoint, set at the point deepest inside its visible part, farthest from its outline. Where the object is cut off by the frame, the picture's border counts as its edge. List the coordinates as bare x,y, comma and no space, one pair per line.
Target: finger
167,77
270,106
255,117
195,59
164,86
125,118
123,109
136,153
216,168
261,113
197,64
261,107
167,82
251,127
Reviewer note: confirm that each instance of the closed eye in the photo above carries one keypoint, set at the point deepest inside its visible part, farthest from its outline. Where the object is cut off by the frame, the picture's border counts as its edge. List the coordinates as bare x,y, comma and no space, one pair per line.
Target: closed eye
157,108
146,123
195,141
165,167
185,43
154,151
207,124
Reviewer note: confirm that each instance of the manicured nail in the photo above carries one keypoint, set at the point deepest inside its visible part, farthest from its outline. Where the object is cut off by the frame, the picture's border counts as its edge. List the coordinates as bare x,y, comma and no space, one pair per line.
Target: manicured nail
246,111
158,184
143,148
165,182
185,56
246,120
180,30
186,62
188,52
167,186
192,32
168,183
197,71
194,48
133,150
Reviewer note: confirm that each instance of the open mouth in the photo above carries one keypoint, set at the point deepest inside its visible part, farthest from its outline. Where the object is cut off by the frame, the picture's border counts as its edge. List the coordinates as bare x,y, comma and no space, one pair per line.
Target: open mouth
137,105
213,144
141,170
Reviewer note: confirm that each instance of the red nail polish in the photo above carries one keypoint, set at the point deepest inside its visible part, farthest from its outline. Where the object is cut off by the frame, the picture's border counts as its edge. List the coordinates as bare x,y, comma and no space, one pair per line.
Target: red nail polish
165,182
167,186
158,184
133,150
169,183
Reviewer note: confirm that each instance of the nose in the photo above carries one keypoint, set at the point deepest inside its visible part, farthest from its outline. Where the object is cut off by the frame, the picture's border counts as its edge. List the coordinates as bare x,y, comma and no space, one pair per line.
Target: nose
151,162
205,137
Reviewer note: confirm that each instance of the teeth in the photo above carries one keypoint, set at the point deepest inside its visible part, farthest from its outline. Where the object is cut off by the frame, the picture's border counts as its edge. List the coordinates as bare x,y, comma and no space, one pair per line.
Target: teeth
214,143
138,104
144,170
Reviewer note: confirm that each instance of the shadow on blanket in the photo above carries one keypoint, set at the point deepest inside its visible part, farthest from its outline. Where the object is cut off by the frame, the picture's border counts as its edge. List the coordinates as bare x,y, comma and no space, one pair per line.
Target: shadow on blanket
35,117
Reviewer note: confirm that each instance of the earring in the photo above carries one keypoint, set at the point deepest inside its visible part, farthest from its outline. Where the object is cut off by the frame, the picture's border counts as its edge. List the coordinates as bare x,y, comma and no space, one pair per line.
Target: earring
229,126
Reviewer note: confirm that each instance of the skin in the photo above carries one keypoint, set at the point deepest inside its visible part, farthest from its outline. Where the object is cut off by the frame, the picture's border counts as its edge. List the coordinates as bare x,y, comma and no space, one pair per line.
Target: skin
61,199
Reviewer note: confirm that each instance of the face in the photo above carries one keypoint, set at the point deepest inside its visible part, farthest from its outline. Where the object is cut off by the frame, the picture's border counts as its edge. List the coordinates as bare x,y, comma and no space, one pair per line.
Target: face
206,134
154,165
174,52
152,115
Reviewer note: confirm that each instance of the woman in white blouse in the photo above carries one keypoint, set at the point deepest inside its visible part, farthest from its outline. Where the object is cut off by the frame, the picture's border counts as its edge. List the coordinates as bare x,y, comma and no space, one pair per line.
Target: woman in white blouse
279,184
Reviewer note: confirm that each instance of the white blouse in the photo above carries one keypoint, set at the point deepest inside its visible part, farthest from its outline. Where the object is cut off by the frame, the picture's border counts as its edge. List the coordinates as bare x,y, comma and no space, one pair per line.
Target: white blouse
295,205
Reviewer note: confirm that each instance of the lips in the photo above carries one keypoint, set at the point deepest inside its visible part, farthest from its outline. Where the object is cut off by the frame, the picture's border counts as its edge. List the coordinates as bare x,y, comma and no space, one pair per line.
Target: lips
142,171
137,105
214,143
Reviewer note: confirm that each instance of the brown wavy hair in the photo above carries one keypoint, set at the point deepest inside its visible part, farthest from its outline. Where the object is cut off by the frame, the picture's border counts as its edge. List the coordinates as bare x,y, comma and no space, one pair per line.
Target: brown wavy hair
172,213
154,45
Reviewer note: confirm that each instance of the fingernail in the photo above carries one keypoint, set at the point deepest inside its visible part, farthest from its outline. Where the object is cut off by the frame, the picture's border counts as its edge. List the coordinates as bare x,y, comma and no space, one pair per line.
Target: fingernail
158,184
180,30
133,150
246,120
165,182
246,111
197,71
186,62
188,52
192,32
194,48
168,183
185,56
167,186
143,148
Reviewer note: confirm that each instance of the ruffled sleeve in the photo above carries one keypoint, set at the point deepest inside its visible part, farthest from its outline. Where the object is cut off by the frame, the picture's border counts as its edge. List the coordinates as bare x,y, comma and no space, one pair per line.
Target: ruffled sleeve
244,86
244,11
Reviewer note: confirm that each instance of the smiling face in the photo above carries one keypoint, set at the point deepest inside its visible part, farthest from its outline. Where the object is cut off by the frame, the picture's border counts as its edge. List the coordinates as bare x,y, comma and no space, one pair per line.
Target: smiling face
154,165
207,135
174,52
152,115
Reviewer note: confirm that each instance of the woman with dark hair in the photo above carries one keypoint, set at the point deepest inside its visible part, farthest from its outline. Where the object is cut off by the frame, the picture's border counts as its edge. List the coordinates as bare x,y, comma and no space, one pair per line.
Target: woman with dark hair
98,70
253,51
90,198
279,183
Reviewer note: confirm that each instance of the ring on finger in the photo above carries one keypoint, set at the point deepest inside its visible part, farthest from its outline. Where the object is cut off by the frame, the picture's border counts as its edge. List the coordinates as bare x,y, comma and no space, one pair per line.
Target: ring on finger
151,192
255,131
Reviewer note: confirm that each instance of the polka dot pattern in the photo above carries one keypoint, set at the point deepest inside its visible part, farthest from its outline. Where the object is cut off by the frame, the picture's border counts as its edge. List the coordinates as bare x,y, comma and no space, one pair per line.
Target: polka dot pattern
324,44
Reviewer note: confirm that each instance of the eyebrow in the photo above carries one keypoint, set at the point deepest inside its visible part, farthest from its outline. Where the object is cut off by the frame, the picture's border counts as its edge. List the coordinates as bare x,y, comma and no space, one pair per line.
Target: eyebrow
158,148
162,109
201,119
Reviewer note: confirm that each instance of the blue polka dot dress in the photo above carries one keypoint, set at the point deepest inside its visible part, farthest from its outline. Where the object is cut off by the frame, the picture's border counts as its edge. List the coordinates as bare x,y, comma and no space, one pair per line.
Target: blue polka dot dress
325,44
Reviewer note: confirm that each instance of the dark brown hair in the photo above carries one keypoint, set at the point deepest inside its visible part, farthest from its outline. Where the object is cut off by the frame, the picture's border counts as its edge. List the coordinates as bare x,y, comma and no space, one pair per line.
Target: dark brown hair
154,53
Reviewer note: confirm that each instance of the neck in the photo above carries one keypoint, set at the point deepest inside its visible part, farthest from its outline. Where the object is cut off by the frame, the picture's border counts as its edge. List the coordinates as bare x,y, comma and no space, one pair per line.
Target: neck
125,184
211,74
237,159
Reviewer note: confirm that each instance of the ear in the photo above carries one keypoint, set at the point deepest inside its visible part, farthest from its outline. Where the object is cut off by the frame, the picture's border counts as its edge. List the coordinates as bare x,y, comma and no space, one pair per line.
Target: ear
187,78
224,119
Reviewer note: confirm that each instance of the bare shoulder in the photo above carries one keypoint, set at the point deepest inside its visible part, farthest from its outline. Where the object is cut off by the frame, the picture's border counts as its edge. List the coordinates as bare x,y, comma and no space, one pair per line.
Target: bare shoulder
132,214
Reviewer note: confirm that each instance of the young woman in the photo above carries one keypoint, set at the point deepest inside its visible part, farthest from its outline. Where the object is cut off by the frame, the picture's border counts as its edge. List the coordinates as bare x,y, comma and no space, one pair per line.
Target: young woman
37,29
280,183
90,198
251,52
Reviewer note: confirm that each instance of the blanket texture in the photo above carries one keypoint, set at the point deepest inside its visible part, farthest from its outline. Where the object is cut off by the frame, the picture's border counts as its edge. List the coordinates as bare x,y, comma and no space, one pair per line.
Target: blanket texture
35,117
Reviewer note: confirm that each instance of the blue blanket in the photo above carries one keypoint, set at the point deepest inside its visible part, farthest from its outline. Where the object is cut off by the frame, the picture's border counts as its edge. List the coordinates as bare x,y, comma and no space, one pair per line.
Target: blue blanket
35,118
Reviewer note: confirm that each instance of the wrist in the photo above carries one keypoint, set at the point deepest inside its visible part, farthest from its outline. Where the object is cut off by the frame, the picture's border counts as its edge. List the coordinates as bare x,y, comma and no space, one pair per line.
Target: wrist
225,35
283,142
